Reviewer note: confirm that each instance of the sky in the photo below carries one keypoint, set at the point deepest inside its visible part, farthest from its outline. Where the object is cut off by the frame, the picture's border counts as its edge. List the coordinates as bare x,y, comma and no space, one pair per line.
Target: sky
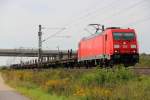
19,20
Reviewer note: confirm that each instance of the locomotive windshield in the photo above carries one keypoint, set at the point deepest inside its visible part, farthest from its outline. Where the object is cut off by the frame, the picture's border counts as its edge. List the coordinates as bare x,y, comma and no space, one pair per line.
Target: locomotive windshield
123,36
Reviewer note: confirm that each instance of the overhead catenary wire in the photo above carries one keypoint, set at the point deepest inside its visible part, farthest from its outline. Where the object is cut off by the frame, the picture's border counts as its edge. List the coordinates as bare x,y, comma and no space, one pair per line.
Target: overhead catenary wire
113,14
87,14
119,11
137,21
81,17
85,29
131,7
53,35
124,10
90,13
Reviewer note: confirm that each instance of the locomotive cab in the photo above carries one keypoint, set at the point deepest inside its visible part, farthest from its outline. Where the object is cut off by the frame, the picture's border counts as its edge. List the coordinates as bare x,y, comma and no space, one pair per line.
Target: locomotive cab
125,46
112,46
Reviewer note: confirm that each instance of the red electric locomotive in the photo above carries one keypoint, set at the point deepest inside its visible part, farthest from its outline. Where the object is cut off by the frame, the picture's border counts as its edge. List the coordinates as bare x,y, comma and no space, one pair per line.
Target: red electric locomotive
112,46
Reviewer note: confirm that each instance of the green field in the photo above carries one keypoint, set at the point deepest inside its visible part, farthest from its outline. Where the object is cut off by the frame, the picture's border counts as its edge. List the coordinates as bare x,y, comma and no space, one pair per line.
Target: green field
93,84
84,84
144,61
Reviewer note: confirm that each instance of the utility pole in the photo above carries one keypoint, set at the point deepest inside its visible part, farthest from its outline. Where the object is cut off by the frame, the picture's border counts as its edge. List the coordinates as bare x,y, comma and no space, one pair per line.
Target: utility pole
40,41
40,46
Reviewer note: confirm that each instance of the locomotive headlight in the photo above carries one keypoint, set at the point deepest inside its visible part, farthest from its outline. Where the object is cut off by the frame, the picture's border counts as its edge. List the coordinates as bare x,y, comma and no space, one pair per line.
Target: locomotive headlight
116,51
134,51
133,46
116,46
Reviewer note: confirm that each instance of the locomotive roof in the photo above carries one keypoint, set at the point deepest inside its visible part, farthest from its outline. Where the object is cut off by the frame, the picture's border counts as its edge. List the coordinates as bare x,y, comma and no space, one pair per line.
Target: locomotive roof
93,35
101,33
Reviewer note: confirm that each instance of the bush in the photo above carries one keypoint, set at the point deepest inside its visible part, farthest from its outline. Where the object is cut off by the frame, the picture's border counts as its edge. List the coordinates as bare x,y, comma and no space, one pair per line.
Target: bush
108,76
3,68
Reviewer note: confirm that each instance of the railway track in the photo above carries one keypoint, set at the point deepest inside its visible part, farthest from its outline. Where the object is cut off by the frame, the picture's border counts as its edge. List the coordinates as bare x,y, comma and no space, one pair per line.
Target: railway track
137,70
141,70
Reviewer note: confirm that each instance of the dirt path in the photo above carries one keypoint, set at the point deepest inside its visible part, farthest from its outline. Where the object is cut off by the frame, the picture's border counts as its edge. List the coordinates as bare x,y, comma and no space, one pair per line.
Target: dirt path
7,93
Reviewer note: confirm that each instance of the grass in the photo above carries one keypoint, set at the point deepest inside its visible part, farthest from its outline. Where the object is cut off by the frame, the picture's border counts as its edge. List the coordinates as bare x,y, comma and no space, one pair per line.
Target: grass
103,77
144,60
94,84
138,89
38,94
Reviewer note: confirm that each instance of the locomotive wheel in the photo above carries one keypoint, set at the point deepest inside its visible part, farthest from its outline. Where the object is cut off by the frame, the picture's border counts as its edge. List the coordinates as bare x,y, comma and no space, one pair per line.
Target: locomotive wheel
111,63
126,65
